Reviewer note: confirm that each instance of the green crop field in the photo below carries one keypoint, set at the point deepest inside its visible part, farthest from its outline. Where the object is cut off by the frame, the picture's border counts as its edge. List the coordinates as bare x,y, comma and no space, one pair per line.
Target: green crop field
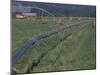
77,51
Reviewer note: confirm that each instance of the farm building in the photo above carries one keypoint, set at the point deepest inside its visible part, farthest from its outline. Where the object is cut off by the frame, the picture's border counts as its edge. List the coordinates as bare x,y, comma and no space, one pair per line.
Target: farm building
26,15
23,10
30,15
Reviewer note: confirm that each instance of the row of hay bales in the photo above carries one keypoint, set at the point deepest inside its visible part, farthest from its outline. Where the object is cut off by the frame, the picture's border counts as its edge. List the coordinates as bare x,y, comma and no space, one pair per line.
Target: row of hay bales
56,20
45,19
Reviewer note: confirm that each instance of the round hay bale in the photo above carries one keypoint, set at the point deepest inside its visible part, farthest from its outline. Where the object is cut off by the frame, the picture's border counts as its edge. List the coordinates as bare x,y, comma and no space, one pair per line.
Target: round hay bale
94,23
60,21
45,20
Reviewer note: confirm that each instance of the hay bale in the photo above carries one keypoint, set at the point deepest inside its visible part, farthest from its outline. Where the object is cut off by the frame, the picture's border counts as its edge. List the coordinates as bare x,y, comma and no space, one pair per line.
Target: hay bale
60,21
33,18
94,23
45,20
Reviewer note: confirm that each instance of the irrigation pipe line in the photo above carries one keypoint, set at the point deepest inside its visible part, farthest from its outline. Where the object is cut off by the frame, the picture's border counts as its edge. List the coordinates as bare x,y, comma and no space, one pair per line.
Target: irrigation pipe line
34,39
46,12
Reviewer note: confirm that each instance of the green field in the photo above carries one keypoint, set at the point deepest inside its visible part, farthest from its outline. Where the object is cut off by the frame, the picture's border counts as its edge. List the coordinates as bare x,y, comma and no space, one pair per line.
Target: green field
77,51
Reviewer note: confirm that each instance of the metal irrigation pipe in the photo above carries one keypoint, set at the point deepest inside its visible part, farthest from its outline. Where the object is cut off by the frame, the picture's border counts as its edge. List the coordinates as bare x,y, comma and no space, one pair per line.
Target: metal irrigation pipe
45,11
34,39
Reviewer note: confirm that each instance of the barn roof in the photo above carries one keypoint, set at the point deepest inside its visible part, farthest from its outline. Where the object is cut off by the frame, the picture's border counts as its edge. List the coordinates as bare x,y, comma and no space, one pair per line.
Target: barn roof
29,14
